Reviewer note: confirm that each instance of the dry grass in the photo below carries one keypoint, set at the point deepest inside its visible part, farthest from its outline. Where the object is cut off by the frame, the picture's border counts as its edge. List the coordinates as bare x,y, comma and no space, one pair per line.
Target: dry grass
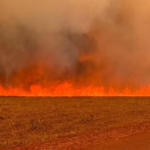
25,120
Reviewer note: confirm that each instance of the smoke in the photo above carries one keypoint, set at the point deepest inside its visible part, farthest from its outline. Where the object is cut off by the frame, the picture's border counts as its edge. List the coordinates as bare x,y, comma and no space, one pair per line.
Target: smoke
105,43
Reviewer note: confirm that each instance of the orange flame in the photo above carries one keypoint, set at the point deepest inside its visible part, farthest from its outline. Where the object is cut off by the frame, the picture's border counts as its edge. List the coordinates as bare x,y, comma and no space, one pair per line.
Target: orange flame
36,81
66,89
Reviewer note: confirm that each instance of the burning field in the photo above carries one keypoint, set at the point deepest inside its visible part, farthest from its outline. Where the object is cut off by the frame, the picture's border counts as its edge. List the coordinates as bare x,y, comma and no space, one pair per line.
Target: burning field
64,64
102,50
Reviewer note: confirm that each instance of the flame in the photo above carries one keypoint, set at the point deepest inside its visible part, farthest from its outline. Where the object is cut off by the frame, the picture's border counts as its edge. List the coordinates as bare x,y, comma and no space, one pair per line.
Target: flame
93,73
66,89
38,80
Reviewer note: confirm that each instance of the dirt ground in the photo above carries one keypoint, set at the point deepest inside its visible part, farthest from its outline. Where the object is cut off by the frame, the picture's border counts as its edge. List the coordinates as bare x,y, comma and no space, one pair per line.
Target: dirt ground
136,142
70,123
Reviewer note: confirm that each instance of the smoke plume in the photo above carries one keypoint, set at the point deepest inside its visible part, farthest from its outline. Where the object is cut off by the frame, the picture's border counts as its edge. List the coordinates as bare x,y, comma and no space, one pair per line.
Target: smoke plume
99,42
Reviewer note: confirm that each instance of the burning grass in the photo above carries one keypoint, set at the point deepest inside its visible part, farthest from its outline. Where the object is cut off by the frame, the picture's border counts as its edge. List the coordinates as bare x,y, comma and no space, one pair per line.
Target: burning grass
25,120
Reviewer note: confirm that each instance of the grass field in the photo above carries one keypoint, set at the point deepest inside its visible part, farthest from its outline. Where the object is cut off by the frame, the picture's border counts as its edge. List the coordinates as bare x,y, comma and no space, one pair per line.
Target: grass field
25,120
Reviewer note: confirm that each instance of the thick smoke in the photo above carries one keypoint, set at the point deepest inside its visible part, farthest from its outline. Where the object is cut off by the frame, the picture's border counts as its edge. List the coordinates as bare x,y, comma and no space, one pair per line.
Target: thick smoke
103,43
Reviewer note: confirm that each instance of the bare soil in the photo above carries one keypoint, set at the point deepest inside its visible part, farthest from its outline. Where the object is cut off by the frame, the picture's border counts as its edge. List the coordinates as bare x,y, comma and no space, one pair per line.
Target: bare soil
135,142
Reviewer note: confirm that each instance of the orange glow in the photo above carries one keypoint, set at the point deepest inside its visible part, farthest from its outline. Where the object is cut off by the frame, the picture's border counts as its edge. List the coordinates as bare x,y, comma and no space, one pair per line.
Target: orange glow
94,73
97,51
66,89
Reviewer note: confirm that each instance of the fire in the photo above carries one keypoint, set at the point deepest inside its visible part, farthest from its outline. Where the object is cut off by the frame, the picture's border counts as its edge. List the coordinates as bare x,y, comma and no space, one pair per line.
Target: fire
100,62
87,78
66,89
